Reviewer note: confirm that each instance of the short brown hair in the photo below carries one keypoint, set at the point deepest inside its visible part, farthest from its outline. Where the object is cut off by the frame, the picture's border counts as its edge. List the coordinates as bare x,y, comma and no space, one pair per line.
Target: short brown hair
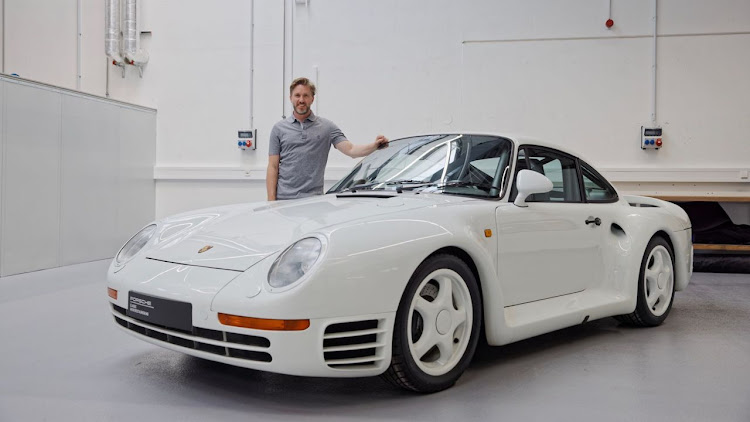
304,82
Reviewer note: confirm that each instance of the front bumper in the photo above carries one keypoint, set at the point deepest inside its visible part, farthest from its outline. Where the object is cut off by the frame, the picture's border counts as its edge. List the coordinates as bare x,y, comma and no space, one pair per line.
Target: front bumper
331,347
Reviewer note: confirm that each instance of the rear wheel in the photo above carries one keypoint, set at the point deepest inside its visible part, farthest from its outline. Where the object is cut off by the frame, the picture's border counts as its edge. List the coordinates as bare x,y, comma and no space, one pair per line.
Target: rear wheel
437,326
655,286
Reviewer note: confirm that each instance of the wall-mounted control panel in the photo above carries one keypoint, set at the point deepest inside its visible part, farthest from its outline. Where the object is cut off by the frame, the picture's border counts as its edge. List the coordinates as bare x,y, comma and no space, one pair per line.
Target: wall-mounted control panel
651,138
246,139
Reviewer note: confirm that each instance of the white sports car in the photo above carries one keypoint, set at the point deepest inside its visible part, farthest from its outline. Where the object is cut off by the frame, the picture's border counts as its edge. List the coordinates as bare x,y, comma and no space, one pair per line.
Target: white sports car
405,263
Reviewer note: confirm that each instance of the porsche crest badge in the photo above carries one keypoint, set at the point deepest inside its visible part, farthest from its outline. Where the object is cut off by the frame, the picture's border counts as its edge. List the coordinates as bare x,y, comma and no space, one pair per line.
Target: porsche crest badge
205,248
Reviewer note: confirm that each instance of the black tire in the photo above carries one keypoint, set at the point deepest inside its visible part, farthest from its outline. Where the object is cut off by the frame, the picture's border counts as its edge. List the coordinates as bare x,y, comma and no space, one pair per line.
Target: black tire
426,373
659,282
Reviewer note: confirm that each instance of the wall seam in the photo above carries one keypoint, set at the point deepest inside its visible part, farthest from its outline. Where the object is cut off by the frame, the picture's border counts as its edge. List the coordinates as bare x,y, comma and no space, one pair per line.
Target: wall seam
79,30
283,63
59,187
728,175
120,167
252,65
614,37
2,169
3,46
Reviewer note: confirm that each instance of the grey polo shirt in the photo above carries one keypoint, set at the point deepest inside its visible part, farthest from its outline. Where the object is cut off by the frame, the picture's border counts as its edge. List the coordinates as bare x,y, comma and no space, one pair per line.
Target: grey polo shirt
303,149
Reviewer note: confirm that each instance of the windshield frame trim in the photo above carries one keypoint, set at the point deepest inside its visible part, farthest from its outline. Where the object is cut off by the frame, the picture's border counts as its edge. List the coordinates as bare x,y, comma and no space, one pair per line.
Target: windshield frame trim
445,166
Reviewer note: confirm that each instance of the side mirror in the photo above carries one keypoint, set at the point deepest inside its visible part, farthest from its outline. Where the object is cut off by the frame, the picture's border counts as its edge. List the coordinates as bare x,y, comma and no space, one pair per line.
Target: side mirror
528,183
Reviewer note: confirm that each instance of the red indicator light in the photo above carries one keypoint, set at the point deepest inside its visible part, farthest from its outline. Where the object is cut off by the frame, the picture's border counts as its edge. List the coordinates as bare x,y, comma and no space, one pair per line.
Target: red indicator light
658,142
610,23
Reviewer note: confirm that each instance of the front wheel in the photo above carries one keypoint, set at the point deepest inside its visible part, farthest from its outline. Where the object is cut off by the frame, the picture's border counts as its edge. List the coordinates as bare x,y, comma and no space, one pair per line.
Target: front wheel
437,326
655,286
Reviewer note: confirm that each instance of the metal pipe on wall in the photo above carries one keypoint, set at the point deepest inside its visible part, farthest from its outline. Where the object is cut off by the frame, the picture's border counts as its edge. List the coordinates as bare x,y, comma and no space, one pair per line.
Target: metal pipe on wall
283,65
112,30
653,72
3,67
106,73
252,62
130,29
316,103
291,41
78,45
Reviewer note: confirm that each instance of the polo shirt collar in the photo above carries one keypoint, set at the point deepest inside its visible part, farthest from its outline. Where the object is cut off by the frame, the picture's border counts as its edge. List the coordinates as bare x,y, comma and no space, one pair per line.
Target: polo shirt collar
312,117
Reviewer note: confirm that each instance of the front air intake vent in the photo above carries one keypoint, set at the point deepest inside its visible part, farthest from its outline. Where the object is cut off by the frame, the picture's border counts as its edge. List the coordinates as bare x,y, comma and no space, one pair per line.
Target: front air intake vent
232,345
354,345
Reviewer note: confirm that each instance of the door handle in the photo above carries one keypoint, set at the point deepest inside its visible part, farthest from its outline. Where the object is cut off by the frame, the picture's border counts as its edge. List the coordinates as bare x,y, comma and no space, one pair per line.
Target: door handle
592,220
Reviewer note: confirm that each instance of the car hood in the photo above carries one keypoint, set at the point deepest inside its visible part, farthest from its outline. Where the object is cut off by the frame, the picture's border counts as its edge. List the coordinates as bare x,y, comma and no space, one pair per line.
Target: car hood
238,236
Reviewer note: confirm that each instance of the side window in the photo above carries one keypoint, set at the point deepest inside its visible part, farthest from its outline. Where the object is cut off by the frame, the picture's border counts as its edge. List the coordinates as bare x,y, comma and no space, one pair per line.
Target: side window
595,187
478,160
559,168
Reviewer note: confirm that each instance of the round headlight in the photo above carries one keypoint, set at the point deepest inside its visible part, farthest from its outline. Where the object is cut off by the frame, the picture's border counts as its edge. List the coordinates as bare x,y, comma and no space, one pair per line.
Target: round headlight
295,262
135,244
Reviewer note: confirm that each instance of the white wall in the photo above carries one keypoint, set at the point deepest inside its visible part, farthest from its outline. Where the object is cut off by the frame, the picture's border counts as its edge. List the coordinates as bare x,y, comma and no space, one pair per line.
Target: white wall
41,40
539,67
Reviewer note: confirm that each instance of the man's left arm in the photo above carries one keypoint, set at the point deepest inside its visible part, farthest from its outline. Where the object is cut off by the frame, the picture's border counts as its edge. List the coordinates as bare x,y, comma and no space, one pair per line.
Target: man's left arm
355,151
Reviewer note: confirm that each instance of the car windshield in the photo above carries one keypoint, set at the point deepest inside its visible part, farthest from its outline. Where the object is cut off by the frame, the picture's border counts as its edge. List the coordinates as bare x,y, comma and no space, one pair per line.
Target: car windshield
448,163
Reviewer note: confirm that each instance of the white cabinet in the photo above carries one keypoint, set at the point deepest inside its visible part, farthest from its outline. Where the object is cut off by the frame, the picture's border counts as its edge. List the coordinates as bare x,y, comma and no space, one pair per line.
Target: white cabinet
76,175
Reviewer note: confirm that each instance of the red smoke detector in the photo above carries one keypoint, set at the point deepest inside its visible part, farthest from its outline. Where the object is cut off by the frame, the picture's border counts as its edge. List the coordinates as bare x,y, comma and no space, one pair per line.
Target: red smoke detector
610,23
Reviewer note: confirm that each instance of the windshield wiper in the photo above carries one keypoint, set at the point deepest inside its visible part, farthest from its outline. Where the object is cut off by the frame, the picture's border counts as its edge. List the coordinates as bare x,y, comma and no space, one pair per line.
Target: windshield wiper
457,183
359,186
408,182
418,183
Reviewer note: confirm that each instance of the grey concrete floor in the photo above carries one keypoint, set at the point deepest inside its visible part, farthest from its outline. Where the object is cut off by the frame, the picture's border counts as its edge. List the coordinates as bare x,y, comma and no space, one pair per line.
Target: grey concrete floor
62,359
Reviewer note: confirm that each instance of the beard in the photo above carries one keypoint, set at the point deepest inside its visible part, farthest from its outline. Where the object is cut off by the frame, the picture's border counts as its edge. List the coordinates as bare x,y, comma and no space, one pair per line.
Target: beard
302,110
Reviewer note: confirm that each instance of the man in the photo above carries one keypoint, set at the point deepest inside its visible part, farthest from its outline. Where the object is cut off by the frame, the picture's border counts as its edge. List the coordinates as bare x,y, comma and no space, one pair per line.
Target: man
299,145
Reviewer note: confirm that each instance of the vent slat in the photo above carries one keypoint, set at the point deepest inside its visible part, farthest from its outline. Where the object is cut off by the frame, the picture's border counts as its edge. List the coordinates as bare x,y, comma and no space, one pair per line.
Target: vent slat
354,361
353,333
353,347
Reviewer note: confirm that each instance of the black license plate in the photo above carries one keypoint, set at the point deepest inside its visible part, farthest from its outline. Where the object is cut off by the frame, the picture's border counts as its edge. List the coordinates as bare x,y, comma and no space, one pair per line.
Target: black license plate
159,311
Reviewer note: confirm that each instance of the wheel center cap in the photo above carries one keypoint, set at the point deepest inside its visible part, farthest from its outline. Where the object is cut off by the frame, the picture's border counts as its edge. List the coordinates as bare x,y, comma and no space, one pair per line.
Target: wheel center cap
443,323
661,281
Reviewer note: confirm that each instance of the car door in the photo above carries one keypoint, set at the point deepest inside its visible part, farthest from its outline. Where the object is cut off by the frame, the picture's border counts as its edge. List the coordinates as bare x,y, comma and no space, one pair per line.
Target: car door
552,247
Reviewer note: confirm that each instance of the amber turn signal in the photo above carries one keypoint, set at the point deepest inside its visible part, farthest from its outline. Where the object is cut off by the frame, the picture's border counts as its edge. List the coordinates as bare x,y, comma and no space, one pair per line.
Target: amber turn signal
112,293
265,324
487,233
